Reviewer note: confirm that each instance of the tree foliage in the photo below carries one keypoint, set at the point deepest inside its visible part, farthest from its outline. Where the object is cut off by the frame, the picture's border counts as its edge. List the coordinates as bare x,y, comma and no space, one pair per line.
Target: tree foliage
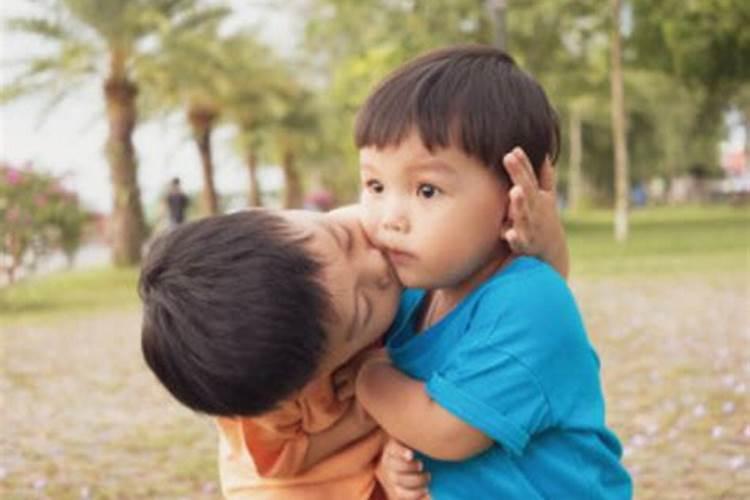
684,64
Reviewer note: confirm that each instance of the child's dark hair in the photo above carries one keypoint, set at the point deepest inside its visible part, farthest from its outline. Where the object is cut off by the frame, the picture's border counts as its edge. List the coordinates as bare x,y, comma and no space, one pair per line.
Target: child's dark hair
233,313
471,97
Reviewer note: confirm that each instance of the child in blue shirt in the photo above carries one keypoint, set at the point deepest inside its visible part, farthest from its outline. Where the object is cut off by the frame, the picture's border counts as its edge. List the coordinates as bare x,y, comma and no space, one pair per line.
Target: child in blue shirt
489,374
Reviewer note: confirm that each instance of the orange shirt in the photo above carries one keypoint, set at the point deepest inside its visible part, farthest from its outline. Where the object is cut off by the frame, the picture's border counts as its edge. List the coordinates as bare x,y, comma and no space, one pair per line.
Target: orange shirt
260,457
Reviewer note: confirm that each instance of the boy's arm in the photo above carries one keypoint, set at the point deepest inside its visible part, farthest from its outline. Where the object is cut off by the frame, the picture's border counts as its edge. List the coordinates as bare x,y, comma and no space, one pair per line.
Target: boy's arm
537,228
352,426
404,410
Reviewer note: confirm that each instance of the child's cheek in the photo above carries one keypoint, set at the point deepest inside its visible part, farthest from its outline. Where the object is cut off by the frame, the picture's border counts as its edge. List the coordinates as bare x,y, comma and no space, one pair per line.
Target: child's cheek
369,222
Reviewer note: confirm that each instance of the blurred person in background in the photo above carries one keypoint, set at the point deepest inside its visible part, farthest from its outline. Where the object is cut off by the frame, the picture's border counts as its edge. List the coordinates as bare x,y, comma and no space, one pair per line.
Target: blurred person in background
176,203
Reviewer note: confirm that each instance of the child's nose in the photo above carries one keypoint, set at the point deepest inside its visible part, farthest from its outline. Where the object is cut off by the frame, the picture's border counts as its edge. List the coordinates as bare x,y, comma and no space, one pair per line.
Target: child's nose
395,222
394,217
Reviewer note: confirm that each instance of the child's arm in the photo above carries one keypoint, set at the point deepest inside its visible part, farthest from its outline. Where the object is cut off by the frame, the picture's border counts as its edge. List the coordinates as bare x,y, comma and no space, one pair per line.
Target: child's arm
352,426
403,409
537,229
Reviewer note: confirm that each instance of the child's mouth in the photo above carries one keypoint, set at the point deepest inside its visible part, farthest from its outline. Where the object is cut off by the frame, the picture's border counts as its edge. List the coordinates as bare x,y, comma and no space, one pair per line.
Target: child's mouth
399,258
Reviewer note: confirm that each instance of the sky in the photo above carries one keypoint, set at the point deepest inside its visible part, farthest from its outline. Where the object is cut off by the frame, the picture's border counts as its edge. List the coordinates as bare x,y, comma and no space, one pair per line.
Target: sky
69,139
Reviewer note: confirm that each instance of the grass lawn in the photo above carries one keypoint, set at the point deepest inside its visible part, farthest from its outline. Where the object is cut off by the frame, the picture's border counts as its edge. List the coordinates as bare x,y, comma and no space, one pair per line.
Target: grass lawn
662,241
69,294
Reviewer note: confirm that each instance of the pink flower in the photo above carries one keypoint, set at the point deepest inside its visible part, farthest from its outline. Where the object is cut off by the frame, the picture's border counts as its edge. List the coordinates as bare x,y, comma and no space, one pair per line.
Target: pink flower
57,187
13,177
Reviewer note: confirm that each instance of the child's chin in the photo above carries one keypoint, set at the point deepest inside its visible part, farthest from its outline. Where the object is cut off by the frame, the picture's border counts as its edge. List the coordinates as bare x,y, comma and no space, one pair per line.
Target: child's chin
412,281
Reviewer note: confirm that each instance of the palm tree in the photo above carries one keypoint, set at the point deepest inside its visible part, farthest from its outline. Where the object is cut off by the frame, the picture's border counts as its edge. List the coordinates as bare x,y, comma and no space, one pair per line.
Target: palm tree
108,40
256,89
187,74
294,132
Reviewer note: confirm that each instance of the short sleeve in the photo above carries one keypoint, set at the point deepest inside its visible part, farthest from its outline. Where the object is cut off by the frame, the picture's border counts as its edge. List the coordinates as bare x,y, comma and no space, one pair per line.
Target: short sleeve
493,391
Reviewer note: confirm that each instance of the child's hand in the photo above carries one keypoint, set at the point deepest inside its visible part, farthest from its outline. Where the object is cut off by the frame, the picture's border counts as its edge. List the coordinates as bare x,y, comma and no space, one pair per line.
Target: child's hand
400,474
536,226
345,376
343,381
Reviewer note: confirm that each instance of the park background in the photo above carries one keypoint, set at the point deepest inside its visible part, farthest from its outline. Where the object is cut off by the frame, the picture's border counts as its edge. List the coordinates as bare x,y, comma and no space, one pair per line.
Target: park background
251,103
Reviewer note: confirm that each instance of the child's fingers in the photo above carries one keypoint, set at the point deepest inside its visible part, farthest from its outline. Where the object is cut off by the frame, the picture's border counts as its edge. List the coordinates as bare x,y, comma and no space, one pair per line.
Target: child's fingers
398,463
345,391
418,481
520,170
343,382
548,177
394,448
520,205
528,168
406,494
517,245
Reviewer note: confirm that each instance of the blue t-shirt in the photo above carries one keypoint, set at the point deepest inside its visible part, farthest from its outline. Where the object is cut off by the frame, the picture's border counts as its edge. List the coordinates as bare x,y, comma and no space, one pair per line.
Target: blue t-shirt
513,360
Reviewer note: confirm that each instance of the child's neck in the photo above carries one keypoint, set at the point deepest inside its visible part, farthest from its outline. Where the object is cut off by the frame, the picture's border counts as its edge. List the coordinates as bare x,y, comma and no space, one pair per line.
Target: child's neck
440,301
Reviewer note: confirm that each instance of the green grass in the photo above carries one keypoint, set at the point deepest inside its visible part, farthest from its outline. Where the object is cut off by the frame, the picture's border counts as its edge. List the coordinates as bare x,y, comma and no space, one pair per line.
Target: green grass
69,293
662,241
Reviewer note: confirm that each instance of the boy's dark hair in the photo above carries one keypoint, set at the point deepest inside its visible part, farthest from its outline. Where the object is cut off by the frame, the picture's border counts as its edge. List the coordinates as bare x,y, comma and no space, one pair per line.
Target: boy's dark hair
471,97
233,313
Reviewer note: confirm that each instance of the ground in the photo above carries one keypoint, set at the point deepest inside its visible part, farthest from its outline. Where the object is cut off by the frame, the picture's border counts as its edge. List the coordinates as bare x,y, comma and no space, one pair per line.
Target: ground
88,420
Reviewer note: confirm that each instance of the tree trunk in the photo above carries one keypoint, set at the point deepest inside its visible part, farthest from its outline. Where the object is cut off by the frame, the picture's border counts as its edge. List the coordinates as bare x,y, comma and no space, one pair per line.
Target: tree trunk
293,186
575,177
497,11
202,121
618,129
128,227
253,196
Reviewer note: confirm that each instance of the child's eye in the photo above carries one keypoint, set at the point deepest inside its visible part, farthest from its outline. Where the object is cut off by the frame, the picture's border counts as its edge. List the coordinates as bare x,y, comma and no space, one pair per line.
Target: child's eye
374,186
427,190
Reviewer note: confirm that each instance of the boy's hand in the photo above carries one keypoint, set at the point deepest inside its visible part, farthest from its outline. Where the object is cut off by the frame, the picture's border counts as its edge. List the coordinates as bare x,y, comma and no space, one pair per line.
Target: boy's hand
401,474
343,381
536,226
345,376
